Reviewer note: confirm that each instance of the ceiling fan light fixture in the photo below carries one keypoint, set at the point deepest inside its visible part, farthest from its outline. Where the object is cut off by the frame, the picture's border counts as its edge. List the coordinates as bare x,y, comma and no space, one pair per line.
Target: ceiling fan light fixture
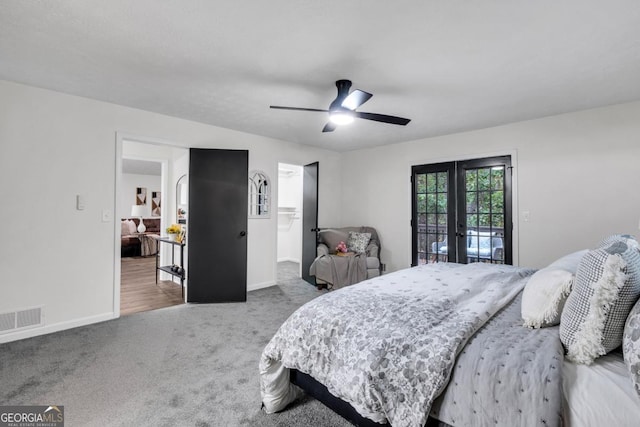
342,110
340,118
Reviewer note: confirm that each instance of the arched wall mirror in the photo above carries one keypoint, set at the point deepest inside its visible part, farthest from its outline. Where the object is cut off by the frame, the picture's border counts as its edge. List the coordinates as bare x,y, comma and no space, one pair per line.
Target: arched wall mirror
259,195
182,199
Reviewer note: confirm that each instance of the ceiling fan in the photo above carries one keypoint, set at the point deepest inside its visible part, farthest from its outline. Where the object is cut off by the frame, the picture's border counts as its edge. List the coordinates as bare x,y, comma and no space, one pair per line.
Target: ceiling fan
342,110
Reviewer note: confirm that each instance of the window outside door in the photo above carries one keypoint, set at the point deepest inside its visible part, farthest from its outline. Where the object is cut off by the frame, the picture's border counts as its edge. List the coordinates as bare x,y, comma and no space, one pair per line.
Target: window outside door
461,211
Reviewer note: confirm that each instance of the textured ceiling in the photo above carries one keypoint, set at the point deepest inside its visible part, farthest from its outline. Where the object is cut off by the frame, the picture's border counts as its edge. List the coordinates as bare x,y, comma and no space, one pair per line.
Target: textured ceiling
450,66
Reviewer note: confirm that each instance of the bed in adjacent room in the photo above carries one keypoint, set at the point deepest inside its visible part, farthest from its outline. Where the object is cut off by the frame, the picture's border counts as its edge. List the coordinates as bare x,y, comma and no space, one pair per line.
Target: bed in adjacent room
448,342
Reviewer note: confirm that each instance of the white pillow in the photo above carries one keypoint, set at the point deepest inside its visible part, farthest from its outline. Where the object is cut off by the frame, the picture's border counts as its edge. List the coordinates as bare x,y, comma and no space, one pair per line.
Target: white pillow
544,296
132,227
569,262
548,289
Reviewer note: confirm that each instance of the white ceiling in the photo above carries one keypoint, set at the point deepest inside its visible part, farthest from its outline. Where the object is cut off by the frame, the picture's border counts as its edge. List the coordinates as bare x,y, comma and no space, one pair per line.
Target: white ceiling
449,65
141,167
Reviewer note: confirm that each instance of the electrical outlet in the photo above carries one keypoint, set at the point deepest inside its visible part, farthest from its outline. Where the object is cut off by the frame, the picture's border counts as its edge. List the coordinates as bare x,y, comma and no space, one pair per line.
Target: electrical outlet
107,216
526,216
383,267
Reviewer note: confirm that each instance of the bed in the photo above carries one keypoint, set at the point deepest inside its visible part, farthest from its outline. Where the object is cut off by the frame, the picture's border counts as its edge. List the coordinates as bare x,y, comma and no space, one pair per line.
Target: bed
446,342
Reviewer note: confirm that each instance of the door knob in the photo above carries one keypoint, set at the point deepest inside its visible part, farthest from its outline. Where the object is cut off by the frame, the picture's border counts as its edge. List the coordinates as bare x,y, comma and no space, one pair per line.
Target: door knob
243,233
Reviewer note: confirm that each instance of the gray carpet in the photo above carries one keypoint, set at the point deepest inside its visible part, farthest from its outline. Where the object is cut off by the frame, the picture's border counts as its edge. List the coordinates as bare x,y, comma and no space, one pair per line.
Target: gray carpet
188,365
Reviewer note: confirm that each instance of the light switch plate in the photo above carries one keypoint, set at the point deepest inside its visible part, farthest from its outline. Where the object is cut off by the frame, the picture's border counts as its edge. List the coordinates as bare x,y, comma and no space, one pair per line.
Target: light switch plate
81,202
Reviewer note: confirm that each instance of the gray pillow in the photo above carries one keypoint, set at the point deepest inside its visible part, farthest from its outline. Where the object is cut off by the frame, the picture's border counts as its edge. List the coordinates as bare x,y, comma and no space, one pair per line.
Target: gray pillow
606,286
357,242
332,237
626,238
631,345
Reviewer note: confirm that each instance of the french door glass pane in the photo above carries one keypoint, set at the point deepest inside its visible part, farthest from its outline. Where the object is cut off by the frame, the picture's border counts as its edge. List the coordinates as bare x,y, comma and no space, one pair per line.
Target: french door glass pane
431,204
485,214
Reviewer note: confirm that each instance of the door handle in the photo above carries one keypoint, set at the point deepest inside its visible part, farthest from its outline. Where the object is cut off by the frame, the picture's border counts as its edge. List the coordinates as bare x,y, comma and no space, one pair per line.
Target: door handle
243,233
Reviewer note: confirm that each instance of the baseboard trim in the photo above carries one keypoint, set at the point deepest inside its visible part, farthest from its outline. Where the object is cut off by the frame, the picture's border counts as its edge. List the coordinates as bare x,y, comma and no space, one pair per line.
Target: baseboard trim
56,327
288,259
261,285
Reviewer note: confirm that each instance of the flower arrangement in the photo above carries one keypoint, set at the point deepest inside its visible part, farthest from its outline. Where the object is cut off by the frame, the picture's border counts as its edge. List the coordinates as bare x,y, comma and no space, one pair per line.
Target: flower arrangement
174,229
342,247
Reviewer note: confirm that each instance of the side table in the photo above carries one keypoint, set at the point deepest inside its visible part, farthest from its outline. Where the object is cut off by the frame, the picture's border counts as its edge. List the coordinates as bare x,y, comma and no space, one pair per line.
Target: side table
181,272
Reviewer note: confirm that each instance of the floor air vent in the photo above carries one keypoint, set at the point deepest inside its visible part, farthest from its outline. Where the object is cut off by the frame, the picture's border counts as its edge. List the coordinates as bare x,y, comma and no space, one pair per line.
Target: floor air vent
21,319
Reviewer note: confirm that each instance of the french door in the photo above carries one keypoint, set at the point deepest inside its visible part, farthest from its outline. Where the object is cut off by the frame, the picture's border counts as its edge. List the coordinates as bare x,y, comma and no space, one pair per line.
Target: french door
461,211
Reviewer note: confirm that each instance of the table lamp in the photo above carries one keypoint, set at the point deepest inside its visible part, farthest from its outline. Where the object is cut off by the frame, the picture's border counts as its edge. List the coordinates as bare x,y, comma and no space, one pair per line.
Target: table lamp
138,210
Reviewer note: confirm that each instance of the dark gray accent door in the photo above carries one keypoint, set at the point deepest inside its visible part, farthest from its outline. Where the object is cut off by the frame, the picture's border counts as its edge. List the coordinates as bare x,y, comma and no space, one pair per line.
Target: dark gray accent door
309,219
217,234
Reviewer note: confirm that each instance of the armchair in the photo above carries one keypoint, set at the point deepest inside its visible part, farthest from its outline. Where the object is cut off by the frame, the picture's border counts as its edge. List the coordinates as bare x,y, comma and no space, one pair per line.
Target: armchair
329,238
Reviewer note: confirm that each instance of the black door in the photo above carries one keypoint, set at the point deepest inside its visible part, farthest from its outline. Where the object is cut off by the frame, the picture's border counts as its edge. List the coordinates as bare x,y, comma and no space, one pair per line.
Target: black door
462,211
309,219
218,206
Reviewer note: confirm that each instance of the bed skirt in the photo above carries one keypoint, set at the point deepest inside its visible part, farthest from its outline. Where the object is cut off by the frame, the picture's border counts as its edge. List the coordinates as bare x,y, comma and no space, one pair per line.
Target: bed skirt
318,391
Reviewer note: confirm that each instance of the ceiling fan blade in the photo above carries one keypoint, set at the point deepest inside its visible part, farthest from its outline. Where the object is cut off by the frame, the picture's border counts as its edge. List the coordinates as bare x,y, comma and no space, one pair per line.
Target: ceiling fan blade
329,127
278,107
356,99
382,118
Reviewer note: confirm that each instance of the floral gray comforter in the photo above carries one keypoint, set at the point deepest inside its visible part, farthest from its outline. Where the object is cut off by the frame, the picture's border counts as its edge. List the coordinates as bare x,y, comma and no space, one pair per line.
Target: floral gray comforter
387,345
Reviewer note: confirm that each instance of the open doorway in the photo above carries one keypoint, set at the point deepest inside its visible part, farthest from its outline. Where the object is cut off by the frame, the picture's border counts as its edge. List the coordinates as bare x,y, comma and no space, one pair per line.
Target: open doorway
146,194
289,250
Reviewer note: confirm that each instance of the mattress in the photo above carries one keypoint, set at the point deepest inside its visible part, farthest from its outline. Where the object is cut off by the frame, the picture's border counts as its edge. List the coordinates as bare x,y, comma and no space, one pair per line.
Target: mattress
600,394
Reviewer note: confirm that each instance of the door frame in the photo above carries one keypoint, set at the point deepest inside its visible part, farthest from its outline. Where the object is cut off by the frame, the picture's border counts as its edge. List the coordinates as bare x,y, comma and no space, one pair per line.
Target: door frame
275,203
460,158
121,137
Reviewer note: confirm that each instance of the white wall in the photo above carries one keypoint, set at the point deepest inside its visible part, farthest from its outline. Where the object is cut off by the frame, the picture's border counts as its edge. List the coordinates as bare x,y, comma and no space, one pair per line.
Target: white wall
578,174
290,223
55,146
130,182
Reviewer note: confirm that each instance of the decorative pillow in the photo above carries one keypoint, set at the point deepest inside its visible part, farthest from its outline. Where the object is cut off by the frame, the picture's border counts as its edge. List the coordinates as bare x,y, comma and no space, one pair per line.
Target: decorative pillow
569,262
132,227
547,291
544,296
606,286
332,237
626,238
357,242
631,345
124,228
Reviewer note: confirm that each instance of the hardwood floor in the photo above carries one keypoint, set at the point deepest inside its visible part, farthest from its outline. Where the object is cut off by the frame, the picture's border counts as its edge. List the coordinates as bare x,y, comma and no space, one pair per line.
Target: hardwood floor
138,289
